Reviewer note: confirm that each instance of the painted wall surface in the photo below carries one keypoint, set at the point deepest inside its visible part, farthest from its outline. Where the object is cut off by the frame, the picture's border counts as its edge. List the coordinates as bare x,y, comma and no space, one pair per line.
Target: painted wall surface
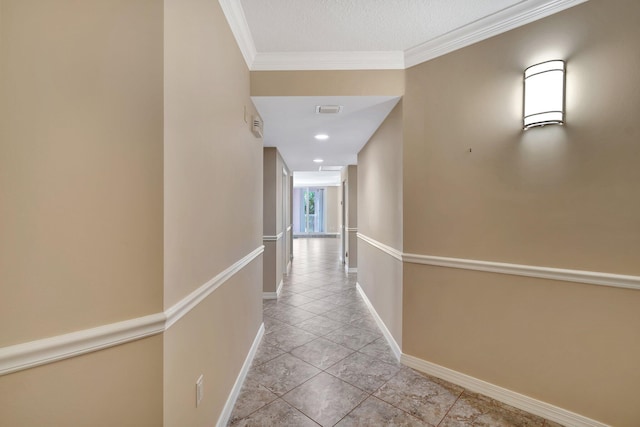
274,218
213,163
327,83
351,197
81,204
119,386
332,206
380,218
80,165
195,346
213,208
556,196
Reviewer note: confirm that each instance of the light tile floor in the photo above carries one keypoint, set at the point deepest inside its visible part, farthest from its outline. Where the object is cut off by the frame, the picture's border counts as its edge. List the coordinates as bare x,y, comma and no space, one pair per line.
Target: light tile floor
323,361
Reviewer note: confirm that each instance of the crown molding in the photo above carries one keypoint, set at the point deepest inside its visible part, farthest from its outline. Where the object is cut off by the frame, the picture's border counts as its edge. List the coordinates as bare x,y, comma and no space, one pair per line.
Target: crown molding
290,61
492,25
234,13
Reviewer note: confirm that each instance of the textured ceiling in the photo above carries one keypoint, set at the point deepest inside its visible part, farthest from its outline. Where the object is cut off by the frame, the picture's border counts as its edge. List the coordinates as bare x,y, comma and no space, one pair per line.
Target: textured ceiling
359,25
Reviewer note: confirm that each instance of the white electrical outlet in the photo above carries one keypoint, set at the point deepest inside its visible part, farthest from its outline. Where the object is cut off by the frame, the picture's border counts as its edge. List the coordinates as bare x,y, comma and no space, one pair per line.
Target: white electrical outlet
199,389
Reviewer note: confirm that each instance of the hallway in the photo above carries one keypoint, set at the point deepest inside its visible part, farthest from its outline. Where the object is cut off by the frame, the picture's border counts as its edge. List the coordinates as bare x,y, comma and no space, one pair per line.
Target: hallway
323,361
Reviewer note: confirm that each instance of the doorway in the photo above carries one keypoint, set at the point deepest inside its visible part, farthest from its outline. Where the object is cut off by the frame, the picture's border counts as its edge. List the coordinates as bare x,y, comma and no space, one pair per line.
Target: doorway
309,210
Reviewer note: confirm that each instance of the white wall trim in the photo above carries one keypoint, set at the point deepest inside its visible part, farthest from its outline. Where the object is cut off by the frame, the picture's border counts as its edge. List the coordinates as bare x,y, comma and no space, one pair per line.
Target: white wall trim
352,229
48,350
578,276
551,273
234,13
40,352
520,401
289,228
384,248
178,310
223,419
271,61
273,238
387,334
482,29
273,295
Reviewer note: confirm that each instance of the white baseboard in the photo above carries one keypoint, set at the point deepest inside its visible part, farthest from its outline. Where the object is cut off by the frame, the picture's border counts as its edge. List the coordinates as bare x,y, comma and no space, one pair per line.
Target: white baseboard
348,269
392,342
517,400
273,295
235,391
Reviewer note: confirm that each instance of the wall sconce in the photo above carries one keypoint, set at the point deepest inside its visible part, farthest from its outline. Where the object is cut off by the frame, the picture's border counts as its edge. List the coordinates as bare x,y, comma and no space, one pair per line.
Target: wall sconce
544,94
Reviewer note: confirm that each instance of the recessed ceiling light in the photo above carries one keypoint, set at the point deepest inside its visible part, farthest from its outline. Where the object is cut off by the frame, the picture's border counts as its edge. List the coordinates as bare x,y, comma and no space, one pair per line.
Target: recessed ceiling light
321,137
318,160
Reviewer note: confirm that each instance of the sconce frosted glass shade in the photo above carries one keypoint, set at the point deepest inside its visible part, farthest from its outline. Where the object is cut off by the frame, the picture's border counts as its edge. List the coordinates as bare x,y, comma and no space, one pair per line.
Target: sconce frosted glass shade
544,94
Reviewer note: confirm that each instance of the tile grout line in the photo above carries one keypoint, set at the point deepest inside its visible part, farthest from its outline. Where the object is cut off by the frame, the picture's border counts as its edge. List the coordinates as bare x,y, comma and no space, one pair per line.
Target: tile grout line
451,407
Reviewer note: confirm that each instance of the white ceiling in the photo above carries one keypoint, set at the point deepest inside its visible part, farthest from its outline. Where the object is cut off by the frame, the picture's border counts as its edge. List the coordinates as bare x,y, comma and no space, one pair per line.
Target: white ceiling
356,35
290,124
370,34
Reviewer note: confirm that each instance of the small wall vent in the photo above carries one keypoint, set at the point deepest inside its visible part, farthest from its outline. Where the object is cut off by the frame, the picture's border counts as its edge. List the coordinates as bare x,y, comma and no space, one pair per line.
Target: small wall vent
256,126
328,109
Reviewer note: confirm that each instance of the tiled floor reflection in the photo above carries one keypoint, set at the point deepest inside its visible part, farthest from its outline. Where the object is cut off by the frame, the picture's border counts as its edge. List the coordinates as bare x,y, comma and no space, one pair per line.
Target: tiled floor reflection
323,361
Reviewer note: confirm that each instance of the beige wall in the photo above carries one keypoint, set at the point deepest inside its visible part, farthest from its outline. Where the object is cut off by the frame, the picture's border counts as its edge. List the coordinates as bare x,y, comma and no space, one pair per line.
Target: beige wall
80,167
275,216
333,209
81,204
380,218
270,191
213,209
554,196
327,83
562,187
380,183
350,176
289,233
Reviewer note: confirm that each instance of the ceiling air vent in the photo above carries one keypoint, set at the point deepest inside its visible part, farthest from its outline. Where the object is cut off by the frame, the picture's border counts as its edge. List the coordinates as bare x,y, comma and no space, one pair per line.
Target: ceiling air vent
328,109
256,126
